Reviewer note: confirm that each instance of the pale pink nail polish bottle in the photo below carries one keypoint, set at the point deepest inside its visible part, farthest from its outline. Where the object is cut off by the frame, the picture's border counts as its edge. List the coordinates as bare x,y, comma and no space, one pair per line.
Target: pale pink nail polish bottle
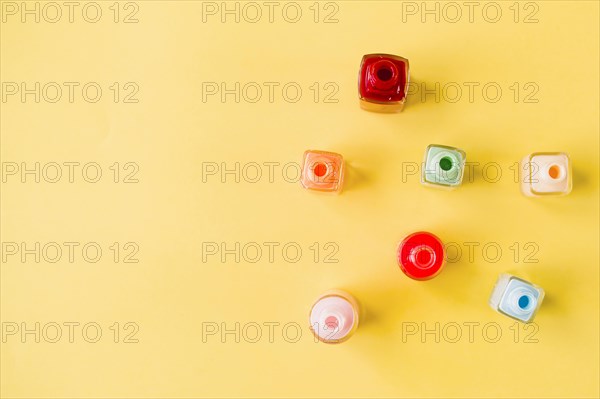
334,317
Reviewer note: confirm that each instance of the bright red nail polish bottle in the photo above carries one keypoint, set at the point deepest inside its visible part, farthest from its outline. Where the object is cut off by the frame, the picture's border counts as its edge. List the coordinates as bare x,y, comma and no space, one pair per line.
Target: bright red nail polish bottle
421,255
383,82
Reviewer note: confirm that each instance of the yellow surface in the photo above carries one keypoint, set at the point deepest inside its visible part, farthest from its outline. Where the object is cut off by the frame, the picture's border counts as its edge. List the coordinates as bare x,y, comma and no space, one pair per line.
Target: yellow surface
171,293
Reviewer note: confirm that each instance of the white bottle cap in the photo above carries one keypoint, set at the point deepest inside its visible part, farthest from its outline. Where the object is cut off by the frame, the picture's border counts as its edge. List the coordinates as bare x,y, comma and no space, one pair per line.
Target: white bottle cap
332,318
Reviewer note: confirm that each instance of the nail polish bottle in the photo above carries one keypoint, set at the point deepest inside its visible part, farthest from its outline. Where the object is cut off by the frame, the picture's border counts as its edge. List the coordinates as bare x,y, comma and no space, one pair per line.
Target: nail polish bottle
516,298
334,317
421,256
546,173
322,171
383,82
444,166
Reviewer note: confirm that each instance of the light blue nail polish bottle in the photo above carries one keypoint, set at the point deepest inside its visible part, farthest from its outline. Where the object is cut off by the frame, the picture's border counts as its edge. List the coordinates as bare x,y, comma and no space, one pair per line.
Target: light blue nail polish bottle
516,298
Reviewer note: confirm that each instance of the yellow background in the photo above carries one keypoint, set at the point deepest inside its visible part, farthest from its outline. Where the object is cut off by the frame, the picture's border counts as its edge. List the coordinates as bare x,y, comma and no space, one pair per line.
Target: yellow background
170,212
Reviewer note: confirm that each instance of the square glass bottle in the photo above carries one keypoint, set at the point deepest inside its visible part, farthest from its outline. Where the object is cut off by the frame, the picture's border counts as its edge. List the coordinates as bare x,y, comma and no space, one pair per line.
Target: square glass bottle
516,298
443,166
546,173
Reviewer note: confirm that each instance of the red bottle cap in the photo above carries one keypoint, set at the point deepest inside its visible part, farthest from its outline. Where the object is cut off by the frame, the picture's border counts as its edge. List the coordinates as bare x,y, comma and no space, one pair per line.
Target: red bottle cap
421,255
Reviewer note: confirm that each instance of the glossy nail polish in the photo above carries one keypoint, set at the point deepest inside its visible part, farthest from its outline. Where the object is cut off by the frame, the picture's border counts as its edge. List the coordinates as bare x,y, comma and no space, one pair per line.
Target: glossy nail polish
444,166
546,173
421,256
383,82
334,317
516,298
322,171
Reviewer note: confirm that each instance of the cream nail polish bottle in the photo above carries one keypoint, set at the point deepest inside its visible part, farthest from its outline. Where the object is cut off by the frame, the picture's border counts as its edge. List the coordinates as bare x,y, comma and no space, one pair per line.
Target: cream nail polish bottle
546,173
